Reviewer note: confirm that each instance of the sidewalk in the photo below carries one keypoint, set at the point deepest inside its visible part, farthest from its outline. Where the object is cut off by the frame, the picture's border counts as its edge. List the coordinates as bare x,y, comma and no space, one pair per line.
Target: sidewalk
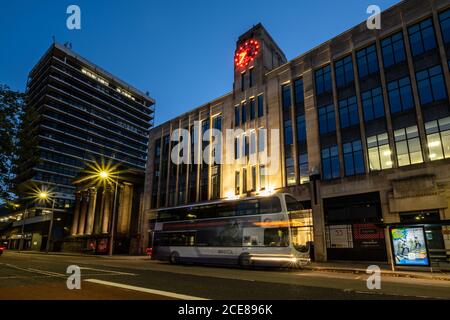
386,270
84,255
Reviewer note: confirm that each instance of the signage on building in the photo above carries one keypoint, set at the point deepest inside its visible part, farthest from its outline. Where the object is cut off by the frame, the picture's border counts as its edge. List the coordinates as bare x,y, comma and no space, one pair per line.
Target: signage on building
409,246
340,237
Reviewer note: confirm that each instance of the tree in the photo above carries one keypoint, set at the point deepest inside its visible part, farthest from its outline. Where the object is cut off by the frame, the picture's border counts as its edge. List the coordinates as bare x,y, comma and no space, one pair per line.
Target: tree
11,111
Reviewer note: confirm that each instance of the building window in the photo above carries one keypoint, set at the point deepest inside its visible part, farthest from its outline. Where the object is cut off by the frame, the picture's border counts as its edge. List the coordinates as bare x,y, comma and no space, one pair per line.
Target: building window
344,71
261,140
323,80
408,147
373,105
260,106
288,137
237,183
244,180
444,19
353,158
237,150
253,142
290,171
380,154
252,109
299,95
327,119
243,81
400,95
348,112
286,96
253,178
393,49
237,116
250,78
301,128
303,168
215,183
262,177
367,61
330,163
438,138
246,146
244,112
431,85
421,37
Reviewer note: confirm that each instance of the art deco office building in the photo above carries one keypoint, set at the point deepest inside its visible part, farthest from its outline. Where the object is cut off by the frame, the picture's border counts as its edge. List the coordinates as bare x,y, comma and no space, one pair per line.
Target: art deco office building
364,123
80,113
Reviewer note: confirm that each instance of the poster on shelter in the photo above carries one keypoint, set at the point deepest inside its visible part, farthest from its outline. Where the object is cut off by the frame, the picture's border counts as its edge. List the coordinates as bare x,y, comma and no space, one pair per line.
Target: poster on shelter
409,246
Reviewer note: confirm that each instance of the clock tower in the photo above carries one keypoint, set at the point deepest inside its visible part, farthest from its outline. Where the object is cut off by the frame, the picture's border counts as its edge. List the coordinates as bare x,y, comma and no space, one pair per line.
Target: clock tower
256,54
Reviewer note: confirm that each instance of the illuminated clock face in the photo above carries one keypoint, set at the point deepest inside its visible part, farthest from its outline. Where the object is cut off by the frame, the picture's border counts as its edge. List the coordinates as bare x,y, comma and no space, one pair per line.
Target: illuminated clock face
246,53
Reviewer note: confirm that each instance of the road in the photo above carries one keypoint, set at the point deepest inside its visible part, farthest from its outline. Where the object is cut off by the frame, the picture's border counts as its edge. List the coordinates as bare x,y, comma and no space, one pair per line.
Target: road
43,277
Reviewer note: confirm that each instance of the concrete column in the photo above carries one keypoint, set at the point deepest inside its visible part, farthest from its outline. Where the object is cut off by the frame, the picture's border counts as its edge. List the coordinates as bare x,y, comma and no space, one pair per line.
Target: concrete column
320,243
91,212
107,207
125,206
83,212
76,214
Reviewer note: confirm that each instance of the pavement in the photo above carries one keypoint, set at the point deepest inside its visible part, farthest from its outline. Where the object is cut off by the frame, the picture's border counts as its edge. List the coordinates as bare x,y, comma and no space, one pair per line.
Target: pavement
35,276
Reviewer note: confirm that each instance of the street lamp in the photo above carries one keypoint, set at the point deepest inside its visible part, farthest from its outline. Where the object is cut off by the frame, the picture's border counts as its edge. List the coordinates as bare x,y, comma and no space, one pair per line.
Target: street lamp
45,196
105,176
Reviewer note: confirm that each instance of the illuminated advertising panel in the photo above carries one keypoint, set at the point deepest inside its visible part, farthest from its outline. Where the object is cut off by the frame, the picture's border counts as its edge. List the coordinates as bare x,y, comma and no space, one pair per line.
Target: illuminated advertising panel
409,246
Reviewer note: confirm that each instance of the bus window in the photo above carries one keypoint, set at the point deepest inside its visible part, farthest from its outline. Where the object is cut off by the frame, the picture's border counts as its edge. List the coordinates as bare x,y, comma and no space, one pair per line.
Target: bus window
269,205
276,237
293,204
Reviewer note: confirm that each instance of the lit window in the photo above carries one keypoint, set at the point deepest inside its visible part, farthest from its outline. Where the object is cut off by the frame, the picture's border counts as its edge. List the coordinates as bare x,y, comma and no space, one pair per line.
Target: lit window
438,139
408,147
380,154
290,170
304,168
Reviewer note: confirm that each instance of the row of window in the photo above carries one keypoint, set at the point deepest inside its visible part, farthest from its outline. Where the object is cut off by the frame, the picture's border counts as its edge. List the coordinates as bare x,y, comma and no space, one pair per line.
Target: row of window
407,145
430,85
422,39
242,183
249,110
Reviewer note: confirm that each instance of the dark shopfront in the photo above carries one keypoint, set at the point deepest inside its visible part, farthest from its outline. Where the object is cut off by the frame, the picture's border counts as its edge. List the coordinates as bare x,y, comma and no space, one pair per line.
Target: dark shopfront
354,230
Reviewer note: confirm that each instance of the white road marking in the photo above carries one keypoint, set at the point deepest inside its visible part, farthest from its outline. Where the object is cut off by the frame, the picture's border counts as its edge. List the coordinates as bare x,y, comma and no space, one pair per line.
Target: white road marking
110,271
145,290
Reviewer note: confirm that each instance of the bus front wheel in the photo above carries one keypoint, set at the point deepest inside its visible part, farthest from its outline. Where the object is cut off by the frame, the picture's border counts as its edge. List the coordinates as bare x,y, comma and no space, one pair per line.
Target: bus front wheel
245,261
174,258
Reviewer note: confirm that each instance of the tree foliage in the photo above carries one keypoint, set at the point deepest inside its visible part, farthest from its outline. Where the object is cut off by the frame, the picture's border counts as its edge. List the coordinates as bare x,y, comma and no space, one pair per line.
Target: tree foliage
11,112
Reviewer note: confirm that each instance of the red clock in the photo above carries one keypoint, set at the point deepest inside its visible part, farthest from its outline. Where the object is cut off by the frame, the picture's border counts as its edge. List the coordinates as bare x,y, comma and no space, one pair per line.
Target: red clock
246,53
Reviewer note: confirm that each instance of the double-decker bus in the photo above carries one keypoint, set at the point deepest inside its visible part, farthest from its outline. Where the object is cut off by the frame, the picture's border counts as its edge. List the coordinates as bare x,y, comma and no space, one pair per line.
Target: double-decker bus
259,231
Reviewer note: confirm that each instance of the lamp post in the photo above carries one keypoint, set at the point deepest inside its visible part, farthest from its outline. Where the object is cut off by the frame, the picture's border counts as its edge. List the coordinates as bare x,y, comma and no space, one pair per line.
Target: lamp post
104,175
45,196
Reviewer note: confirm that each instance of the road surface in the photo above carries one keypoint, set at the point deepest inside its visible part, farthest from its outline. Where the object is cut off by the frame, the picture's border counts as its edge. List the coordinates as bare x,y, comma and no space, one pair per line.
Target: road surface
43,277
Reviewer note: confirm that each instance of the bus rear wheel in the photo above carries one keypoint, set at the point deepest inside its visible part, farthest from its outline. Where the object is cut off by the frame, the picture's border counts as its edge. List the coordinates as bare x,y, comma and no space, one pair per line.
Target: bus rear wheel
174,258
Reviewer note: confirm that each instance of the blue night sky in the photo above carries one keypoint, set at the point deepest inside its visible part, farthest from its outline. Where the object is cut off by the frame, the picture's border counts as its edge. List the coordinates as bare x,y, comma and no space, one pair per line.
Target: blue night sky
179,51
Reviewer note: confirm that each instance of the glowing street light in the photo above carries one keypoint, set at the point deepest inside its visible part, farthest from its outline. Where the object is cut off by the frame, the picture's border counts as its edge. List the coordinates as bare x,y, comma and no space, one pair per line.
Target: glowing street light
104,174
